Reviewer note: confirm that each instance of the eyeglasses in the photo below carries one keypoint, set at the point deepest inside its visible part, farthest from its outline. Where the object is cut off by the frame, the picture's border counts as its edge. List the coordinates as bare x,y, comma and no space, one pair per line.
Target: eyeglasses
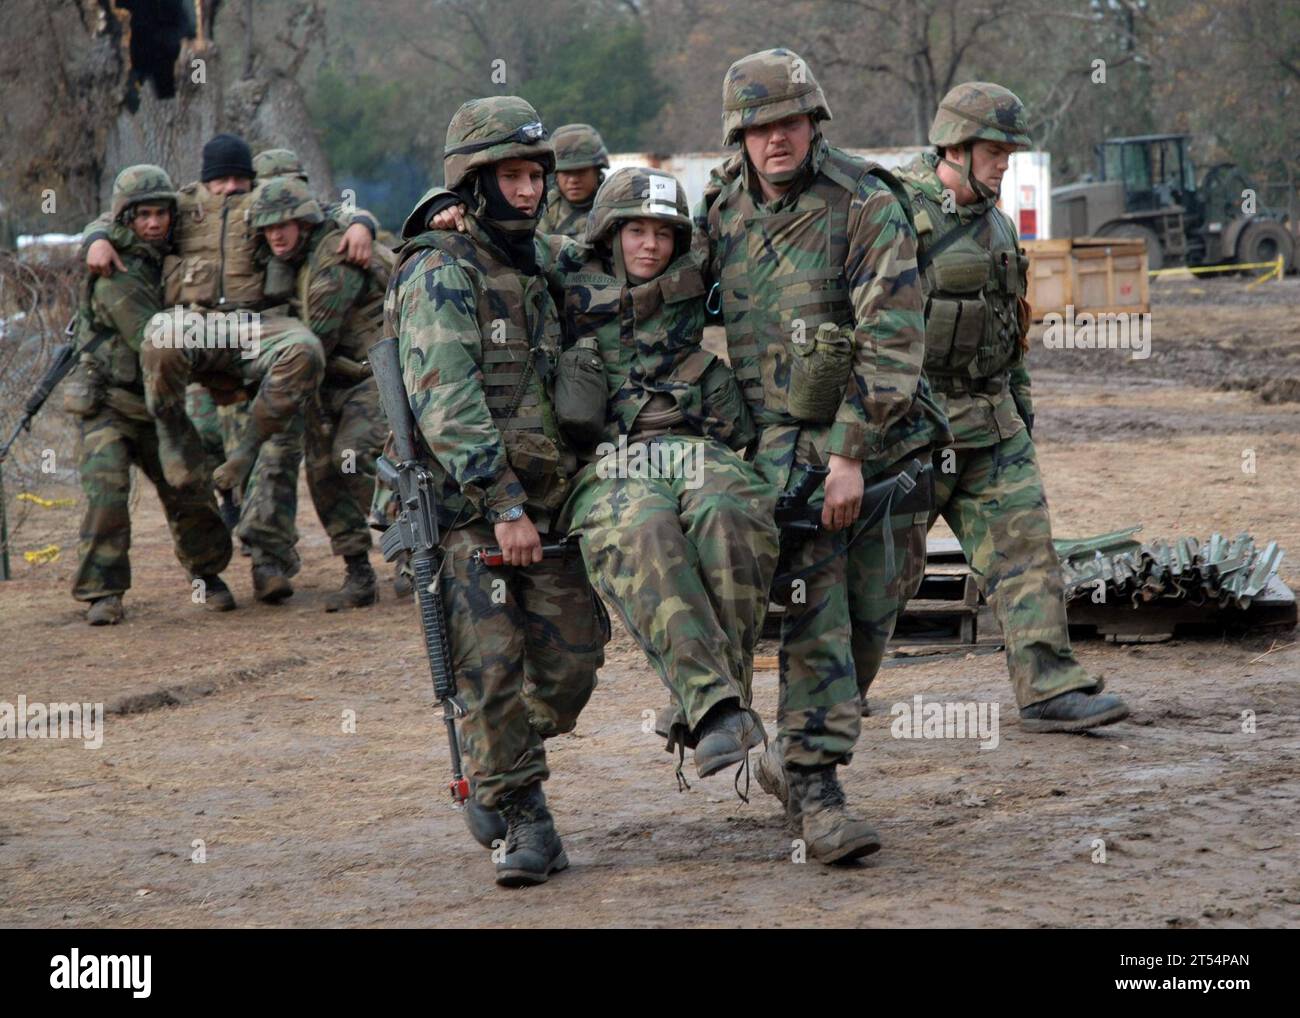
529,134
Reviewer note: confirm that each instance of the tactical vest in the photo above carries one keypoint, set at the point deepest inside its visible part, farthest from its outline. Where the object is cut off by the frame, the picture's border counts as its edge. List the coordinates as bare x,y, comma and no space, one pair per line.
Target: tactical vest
215,265
782,272
519,343
972,288
363,322
658,377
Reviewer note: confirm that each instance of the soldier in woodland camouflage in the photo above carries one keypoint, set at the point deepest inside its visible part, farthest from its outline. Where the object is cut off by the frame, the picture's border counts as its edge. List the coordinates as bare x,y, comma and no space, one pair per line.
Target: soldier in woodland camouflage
813,254
106,393
478,337
688,560
988,485
580,165
343,306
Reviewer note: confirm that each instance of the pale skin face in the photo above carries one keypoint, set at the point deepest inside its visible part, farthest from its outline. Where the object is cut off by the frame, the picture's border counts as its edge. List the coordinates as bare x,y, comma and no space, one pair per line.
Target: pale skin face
522,182
989,161
647,247
577,185
779,147
282,238
223,186
151,222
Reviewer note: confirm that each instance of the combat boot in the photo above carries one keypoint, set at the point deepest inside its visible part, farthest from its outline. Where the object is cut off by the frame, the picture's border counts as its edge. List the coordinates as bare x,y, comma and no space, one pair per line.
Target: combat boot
216,595
532,851
270,584
486,826
1074,711
770,771
229,511
727,733
403,578
358,588
829,832
105,611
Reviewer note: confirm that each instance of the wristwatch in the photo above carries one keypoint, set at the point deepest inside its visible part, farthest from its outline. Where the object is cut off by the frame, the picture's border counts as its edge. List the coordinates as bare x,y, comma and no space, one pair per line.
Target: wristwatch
510,515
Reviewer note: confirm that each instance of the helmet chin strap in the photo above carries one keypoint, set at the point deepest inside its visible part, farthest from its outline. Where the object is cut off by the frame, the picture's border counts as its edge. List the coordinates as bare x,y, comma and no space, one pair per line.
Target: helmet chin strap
981,190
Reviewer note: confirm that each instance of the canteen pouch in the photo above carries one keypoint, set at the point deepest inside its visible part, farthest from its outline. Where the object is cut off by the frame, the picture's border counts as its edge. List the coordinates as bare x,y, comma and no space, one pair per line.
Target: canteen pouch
581,396
819,374
83,389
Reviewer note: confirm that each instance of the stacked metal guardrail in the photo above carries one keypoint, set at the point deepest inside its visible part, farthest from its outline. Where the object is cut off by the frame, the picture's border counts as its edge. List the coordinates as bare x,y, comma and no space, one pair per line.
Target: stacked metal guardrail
1229,573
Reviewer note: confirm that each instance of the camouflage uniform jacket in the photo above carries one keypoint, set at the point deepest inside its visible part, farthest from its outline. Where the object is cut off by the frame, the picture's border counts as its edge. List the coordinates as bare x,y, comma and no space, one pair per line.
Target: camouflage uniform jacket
340,302
123,305
836,247
649,336
974,385
478,340
562,218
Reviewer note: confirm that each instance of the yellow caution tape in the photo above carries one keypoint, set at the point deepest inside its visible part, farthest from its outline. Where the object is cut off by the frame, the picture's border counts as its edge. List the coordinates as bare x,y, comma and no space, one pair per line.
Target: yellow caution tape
50,553
46,503
1274,267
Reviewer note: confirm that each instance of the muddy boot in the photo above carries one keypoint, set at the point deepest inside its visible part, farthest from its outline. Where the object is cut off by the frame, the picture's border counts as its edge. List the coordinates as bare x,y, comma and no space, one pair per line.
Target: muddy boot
180,449
229,511
769,768
216,595
532,851
1074,711
866,708
725,736
270,584
829,832
486,826
105,611
358,588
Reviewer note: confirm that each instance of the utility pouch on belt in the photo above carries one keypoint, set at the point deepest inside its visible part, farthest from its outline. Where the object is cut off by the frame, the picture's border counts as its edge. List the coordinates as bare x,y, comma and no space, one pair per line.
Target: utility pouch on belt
535,459
581,397
83,392
819,374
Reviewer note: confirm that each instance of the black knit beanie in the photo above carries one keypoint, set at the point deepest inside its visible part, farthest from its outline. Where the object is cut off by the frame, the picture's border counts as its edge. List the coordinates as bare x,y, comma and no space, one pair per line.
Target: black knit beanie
226,155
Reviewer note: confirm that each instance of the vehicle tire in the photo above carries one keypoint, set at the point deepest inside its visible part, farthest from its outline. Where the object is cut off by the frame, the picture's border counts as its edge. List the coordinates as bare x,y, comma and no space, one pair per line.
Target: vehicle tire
1263,240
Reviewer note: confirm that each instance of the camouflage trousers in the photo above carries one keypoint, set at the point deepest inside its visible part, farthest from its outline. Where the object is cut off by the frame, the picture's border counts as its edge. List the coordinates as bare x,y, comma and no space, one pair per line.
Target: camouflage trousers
842,593
286,370
268,510
687,561
220,427
346,429
525,645
993,500
110,443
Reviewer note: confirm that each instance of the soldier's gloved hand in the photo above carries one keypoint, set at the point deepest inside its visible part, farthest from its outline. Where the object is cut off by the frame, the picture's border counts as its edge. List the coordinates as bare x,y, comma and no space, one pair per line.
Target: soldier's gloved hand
843,493
102,259
449,219
519,542
356,245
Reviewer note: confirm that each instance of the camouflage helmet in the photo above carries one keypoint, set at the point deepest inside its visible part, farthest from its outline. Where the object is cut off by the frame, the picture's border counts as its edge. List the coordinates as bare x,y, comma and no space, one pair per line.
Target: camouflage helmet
141,183
281,199
768,86
578,146
979,109
637,192
486,131
278,162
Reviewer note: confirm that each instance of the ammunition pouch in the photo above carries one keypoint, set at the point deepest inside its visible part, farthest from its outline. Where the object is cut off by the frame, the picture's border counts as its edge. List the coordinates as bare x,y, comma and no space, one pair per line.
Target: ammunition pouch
83,391
281,280
536,461
126,403
581,395
819,374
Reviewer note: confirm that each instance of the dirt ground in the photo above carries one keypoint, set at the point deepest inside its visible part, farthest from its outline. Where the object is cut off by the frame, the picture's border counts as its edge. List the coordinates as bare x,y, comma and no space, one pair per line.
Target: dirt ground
228,729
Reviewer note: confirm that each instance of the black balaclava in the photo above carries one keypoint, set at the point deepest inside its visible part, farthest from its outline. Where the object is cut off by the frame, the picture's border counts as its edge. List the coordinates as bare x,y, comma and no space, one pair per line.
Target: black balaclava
510,229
